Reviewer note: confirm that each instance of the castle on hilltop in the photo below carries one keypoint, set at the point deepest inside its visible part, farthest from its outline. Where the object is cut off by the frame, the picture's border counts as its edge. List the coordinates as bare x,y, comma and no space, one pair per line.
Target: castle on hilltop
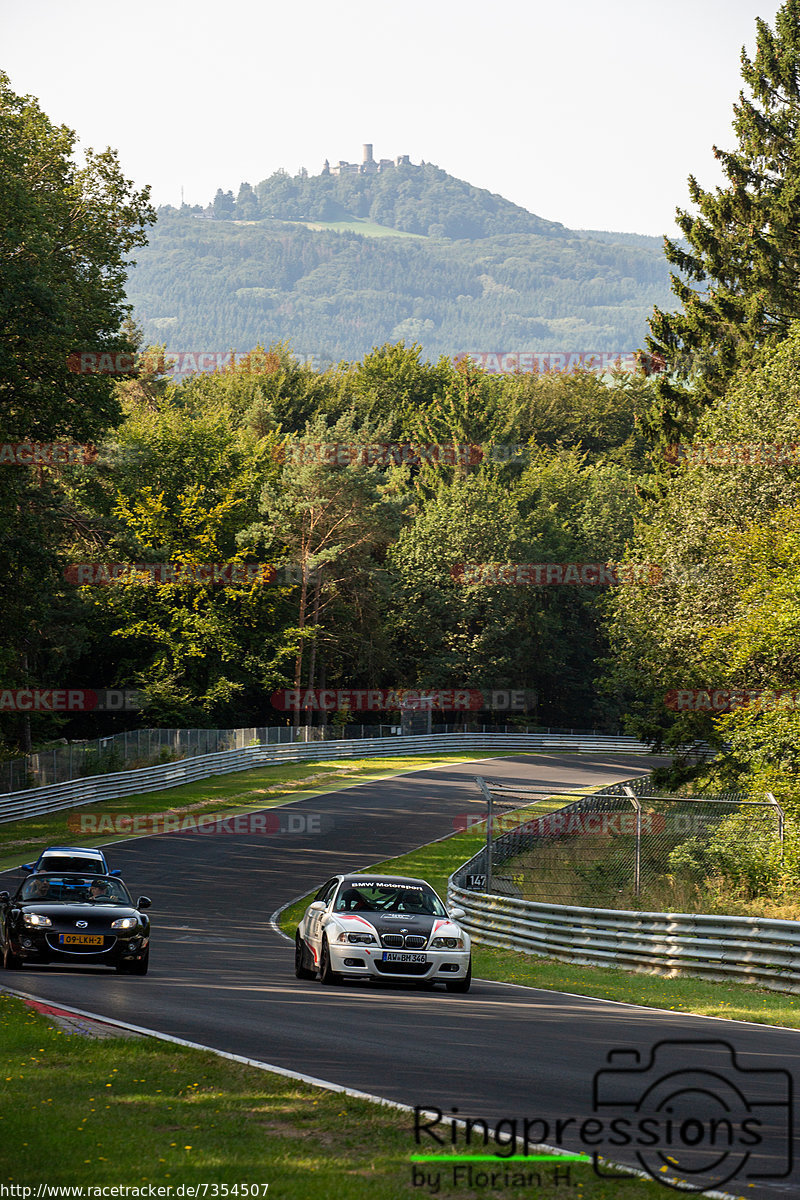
367,166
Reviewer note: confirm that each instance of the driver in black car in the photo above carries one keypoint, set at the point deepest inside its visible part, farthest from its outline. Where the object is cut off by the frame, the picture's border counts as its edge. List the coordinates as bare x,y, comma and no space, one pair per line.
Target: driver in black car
98,890
39,889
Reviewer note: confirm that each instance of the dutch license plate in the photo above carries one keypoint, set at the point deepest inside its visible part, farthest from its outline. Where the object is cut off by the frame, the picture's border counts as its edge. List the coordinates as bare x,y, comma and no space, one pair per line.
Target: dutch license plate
80,939
399,956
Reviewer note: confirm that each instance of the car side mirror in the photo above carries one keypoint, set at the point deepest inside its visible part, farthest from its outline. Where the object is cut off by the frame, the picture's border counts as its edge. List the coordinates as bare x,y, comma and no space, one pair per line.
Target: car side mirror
115,873
456,914
4,897
317,906
143,902
26,867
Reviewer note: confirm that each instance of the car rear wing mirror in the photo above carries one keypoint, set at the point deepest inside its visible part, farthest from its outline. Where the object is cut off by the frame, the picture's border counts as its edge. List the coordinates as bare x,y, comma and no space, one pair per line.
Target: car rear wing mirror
116,873
456,914
143,902
26,867
316,906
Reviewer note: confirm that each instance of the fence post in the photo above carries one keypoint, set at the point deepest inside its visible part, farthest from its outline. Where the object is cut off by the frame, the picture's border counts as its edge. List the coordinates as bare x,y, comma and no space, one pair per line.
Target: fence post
781,819
481,782
637,867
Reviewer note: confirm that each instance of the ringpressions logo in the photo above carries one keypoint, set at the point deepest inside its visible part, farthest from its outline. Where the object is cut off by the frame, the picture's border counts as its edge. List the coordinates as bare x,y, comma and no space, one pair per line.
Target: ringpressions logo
686,1112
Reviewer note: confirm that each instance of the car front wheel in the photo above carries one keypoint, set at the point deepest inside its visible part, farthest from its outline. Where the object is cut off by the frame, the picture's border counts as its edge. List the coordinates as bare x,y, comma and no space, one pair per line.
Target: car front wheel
11,962
327,974
300,957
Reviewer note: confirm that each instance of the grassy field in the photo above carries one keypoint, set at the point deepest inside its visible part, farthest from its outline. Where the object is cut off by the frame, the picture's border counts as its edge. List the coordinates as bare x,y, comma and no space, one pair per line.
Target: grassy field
228,795
358,225
138,1111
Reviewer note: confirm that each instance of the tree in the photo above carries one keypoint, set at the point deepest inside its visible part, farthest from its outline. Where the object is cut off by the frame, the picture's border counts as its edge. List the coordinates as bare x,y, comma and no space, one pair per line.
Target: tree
223,206
743,242
66,235
331,515
722,615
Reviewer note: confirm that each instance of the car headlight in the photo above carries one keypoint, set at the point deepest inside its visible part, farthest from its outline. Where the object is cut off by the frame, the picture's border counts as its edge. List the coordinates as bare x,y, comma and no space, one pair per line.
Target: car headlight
445,943
36,919
362,939
124,923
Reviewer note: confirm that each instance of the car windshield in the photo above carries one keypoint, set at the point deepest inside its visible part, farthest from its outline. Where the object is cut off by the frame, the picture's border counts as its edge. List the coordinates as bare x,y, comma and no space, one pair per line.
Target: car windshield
373,896
74,889
71,862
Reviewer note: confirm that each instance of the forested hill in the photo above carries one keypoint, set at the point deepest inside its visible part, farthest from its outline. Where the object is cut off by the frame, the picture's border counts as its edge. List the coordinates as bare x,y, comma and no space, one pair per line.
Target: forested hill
413,199
338,264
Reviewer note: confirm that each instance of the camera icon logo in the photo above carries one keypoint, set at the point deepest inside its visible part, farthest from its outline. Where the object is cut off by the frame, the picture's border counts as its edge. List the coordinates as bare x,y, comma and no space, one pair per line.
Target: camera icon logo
694,1117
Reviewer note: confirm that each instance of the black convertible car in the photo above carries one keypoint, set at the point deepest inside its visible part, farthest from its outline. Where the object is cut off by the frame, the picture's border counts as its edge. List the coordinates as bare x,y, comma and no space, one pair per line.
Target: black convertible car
66,918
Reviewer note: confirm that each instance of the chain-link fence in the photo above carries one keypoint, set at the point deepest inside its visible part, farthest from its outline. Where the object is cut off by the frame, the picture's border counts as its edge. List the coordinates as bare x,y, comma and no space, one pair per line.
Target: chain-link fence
624,847
148,747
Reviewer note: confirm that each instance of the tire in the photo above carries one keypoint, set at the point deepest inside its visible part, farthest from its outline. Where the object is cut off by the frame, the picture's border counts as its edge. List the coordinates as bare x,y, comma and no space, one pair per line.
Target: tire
327,975
140,967
461,985
300,957
11,962
134,968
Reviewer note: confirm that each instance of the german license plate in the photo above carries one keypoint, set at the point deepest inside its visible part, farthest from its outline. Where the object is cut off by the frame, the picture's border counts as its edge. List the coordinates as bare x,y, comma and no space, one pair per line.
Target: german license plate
80,939
399,956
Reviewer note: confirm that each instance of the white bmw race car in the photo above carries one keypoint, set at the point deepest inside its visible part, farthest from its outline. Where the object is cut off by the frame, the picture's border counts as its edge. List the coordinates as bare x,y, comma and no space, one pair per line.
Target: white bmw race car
382,927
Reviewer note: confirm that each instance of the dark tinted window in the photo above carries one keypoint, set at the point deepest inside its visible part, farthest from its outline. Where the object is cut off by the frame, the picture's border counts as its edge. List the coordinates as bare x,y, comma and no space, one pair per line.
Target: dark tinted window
74,889
326,891
68,862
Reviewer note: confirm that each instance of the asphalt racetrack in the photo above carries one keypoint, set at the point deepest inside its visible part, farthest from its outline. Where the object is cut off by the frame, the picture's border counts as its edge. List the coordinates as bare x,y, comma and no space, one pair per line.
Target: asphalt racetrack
221,976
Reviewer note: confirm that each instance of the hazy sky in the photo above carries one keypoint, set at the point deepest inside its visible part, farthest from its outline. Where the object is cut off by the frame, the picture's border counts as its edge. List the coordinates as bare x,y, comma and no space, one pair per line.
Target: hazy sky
592,114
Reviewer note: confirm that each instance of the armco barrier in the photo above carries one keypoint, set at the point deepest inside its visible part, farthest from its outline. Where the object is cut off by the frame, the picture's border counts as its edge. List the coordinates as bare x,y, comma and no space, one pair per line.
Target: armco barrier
740,949
36,801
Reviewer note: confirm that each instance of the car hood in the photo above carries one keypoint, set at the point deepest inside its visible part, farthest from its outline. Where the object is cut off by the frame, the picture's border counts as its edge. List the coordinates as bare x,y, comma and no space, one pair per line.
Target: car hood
96,915
394,922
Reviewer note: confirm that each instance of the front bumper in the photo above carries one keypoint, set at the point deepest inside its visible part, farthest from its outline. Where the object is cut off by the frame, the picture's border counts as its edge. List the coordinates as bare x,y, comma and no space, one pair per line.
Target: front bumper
440,966
35,946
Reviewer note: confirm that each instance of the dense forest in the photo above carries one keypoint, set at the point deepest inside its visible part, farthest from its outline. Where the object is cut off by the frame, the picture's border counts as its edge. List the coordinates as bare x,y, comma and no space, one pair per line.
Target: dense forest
338,265
700,548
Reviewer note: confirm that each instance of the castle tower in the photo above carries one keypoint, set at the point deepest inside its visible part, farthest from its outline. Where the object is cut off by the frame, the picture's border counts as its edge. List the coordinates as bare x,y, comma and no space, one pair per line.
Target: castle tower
326,170
368,153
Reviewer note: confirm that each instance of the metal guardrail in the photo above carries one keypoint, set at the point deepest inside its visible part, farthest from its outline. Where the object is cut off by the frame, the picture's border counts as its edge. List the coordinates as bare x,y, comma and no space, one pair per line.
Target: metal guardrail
135,749
740,949
29,803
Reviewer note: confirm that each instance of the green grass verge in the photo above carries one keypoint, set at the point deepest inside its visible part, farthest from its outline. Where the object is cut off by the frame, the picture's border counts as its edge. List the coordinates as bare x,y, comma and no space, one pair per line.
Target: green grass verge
137,1111
228,795
732,1001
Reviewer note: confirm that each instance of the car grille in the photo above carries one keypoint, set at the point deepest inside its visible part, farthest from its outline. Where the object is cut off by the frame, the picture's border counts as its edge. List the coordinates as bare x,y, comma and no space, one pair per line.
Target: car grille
395,941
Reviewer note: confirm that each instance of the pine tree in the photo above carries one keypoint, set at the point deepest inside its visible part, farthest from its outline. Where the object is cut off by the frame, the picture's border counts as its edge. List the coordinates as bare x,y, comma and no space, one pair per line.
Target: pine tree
744,242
